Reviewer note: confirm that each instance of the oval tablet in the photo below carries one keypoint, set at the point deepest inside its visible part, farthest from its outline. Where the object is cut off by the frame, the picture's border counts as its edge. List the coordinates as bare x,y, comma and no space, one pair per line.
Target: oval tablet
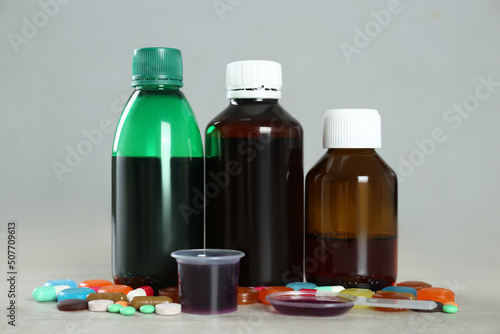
128,310
114,308
72,305
168,309
99,305
450,308
147,309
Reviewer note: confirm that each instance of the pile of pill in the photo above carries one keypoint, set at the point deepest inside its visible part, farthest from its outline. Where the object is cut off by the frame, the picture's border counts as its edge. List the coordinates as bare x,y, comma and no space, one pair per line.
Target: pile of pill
409,290
103,296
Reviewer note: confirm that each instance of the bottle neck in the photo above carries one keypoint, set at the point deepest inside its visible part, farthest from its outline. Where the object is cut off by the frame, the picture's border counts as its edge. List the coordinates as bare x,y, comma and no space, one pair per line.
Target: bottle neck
241,102
351,151
157,87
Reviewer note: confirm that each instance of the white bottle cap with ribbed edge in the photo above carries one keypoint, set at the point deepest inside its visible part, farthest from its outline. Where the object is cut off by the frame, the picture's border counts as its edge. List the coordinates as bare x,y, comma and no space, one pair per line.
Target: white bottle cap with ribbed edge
253,79
352,128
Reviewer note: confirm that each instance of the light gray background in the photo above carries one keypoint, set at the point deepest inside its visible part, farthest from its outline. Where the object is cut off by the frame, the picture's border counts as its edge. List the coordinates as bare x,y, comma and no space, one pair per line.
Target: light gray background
73,72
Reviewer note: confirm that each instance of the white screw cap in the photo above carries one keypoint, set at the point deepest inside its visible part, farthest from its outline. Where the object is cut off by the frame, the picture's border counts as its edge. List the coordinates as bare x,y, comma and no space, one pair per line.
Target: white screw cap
352,128
251,79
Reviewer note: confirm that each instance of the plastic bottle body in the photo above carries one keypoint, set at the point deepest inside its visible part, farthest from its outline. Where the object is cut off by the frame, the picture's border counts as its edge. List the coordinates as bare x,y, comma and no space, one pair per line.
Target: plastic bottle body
254,190
157,170
351,220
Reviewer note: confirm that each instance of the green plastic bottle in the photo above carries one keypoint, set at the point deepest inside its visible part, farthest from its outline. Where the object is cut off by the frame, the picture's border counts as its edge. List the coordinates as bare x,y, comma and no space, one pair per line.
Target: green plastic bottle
157,174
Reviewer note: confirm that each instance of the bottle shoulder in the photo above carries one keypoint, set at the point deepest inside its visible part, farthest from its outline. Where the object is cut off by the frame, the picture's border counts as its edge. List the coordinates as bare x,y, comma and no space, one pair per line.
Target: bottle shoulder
154,106
251,119
339,166
152,118
158,98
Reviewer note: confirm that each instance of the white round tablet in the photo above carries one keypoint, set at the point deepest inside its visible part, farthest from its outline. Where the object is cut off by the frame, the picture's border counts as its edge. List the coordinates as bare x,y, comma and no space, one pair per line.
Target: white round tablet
99,305
168,308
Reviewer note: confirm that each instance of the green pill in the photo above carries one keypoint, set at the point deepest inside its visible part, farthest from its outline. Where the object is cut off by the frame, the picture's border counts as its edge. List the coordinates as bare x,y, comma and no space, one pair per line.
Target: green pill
114,308
127,310
450,309
147,309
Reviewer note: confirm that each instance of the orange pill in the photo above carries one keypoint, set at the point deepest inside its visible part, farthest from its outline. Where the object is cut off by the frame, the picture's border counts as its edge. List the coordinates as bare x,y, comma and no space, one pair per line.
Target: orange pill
451,303
417,285
247,296
271,289
94,283
441,295
122,303
171,291
115,288
392,295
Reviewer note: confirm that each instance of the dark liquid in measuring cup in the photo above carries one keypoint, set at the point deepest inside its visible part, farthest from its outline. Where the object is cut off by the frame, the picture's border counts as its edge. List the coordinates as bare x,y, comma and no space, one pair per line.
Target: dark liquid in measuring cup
148,224
332,254
313,307
208,288
260,209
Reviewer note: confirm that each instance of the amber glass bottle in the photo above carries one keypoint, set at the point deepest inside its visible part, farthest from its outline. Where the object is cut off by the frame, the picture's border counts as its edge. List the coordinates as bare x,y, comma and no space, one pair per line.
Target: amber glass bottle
254,177
351,206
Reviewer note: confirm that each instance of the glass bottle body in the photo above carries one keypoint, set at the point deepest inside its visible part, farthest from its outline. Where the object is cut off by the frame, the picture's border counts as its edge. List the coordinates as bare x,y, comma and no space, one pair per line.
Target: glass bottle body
254,190
351,220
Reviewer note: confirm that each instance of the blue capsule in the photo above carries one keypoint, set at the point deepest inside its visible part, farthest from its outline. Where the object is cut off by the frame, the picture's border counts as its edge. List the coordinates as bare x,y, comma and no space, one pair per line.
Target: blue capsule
74,293
301,285
57,282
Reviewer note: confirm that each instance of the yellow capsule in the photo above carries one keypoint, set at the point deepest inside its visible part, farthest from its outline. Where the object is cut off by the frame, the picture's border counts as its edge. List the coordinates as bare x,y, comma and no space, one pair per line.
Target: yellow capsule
359,293
137,302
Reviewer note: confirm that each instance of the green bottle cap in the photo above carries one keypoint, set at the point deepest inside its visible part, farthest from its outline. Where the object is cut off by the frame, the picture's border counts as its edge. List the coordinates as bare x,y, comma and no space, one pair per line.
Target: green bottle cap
157,66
